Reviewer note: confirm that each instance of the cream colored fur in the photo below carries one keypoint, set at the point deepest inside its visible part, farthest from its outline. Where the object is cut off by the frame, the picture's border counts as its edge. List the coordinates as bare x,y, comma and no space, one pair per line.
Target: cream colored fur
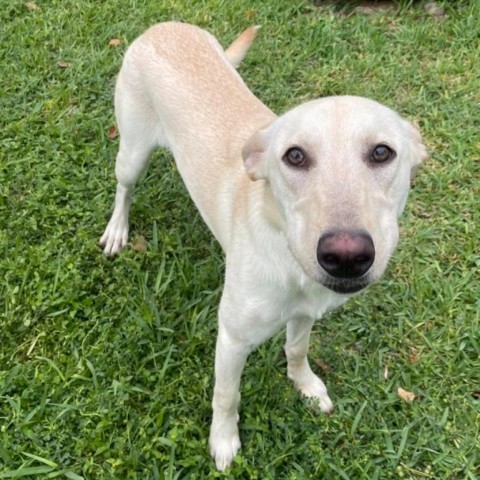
177,88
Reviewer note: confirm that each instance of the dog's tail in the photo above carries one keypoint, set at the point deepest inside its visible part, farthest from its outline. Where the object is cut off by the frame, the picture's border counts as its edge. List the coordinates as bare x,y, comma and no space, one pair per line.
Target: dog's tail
238,49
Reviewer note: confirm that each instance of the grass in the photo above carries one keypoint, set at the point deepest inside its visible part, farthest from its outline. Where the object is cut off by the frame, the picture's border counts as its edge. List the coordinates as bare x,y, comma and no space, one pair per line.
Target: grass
106,366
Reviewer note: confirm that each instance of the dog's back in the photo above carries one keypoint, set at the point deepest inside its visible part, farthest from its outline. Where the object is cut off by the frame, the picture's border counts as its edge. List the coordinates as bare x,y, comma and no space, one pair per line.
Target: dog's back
187,77
178,88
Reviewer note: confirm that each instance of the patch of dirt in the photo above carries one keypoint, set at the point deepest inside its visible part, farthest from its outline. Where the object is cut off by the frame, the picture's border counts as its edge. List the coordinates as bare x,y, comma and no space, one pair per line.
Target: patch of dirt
370,7
366,7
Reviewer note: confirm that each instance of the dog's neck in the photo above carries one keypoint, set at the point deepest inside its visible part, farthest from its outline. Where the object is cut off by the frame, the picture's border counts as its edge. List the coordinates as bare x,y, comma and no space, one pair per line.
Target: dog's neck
271,213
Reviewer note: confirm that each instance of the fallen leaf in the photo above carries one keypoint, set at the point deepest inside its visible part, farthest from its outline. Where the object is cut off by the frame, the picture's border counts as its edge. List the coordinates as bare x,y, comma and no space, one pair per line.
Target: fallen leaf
115,42
63,64
140,244
406,395
326,367
385,373
32,6
413,355
476,395
112,132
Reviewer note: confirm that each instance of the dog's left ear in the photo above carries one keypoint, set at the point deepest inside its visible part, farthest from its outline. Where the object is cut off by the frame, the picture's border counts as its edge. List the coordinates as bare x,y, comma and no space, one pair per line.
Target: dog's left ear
418,152
253,154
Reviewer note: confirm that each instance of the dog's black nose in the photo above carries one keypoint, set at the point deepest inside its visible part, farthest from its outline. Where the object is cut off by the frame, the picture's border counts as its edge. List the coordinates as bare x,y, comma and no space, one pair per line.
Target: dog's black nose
346,254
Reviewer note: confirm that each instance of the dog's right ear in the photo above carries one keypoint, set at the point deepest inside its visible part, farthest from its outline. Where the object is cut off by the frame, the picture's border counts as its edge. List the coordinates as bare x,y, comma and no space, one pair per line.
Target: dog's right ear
253,154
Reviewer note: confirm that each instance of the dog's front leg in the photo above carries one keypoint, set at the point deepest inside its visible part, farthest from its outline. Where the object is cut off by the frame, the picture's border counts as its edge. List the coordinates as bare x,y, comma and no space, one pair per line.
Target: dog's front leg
298,368
231,354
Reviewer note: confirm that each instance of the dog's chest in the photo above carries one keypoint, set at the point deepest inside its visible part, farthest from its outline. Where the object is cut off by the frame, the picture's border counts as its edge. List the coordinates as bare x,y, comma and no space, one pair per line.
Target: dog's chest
307,299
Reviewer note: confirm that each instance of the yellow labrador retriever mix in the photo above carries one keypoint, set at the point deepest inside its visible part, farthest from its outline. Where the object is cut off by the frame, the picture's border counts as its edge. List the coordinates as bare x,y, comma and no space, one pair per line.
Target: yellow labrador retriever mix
304,205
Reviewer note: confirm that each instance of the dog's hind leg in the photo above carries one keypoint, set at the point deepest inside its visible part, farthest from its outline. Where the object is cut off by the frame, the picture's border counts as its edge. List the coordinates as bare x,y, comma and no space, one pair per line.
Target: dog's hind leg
299,371
140,132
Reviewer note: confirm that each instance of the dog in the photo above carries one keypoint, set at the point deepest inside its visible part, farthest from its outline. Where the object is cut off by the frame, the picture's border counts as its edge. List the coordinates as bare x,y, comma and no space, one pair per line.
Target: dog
304,205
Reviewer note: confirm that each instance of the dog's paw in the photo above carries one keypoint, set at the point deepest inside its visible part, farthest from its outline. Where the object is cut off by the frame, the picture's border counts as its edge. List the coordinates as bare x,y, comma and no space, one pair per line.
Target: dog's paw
316,391
311,387
223,447
115,236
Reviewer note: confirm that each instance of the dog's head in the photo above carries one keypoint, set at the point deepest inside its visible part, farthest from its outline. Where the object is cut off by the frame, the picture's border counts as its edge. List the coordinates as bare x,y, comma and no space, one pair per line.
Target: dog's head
339,170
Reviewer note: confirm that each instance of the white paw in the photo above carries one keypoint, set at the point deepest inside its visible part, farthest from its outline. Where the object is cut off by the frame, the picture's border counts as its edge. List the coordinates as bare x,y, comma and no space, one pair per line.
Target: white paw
313,388
224,445
115,236
317,392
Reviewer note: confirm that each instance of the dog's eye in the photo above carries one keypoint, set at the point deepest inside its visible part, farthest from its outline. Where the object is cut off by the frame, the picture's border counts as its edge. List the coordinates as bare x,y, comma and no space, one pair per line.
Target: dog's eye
381,154
295,157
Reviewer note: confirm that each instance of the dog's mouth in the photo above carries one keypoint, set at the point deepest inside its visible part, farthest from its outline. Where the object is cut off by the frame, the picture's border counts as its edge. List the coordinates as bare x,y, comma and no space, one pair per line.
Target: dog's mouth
345,286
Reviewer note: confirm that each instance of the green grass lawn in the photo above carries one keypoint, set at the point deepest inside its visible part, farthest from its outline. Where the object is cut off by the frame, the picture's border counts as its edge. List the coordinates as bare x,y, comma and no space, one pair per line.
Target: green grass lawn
106,366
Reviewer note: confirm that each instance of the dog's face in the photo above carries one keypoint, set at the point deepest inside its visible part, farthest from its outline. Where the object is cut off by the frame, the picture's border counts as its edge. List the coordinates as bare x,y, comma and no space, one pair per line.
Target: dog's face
339,170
